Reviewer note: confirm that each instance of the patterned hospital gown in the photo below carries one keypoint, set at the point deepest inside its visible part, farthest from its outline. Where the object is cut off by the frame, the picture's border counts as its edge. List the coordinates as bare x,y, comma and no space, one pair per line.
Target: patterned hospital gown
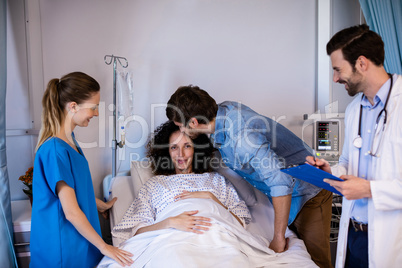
158,192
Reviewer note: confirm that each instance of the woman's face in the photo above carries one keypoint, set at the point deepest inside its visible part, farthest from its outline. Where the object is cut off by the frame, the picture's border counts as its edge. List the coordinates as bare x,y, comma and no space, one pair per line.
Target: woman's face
86,110
181,150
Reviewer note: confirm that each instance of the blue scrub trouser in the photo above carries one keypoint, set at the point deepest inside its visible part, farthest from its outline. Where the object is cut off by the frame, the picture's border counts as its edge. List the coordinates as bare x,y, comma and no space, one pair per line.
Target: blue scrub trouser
357,251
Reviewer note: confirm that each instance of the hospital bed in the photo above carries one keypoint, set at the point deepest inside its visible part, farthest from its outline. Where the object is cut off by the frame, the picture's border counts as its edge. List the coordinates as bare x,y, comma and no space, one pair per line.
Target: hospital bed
126,187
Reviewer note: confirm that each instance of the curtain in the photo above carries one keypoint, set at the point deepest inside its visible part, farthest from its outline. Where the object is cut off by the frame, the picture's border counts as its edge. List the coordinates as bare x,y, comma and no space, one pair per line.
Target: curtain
7,255
385,18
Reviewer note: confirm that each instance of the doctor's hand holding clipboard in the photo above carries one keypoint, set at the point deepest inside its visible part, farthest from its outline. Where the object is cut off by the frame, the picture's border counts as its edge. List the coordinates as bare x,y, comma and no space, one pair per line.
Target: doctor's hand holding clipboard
351,187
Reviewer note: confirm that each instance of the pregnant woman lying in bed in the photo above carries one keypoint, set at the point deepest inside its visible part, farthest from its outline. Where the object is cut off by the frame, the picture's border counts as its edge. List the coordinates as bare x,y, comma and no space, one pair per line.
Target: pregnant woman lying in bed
182,167
187,216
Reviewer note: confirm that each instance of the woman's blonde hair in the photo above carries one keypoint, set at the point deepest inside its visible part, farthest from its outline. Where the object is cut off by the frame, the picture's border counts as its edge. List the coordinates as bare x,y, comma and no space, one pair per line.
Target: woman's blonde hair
73,87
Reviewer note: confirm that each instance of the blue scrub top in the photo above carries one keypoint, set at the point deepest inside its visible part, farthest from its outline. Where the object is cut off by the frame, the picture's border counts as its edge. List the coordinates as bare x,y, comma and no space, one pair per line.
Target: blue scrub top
54,240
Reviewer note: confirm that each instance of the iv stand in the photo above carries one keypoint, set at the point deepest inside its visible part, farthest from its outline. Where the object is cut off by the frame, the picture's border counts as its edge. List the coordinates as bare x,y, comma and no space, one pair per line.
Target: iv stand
108,60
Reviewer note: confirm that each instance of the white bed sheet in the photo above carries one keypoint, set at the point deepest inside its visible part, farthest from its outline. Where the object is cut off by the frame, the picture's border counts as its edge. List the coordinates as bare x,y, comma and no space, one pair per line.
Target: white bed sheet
126,189
226,244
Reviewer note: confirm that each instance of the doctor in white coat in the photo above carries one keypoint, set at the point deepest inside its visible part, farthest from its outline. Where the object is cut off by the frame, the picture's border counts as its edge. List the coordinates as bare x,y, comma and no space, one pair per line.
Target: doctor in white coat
370,233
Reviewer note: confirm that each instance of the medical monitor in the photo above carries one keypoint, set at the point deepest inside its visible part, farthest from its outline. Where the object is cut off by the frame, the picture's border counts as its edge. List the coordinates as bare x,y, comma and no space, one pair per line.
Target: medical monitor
327,139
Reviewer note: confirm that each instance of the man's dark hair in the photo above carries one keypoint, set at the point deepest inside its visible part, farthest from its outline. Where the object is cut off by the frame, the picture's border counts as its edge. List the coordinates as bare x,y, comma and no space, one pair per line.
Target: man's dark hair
158,151
191,101
358,41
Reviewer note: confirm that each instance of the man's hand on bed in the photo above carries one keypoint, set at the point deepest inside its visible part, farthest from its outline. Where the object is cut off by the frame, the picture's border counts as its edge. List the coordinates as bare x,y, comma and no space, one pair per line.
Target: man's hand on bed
279,244
189,223
103,207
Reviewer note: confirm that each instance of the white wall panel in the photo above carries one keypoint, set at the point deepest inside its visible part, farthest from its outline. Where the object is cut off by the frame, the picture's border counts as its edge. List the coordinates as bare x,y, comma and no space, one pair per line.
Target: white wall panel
19,116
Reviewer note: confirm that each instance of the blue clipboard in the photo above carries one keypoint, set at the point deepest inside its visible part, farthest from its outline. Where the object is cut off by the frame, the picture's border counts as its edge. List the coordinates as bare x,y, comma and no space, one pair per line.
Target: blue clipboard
312,175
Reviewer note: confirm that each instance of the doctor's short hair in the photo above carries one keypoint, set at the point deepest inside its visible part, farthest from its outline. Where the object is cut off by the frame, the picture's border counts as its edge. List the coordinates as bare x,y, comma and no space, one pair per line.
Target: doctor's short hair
358,41
191,101
159,157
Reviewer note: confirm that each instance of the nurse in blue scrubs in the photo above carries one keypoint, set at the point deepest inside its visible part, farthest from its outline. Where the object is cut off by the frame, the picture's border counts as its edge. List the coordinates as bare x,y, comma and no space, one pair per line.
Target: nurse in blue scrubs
65,229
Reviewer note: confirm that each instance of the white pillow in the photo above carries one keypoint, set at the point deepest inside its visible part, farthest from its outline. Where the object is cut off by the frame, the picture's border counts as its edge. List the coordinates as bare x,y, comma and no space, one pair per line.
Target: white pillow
141,171
245,189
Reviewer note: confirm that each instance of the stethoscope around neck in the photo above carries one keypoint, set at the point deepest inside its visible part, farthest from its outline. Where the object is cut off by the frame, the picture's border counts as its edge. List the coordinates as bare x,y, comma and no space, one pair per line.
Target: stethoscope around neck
358,141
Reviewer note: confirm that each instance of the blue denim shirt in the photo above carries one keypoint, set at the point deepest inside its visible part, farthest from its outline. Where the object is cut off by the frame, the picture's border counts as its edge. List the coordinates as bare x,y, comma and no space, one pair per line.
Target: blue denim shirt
256,147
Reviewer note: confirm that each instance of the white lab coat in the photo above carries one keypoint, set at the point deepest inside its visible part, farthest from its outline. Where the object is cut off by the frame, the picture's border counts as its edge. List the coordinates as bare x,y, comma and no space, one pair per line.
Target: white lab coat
385,206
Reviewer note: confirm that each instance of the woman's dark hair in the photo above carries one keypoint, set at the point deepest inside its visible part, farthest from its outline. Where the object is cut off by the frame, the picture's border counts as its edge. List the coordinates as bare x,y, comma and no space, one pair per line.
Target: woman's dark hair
358,41
191,101
158,151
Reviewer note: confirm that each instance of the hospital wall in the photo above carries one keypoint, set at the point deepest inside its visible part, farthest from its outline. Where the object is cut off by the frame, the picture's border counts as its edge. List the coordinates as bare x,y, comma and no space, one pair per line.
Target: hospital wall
265,54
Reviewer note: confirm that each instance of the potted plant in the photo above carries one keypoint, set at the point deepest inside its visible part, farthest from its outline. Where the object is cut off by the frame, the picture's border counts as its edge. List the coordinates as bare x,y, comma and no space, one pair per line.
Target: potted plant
27,180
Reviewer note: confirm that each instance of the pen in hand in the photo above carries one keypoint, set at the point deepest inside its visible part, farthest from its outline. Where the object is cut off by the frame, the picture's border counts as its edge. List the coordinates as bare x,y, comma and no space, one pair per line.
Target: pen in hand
314,157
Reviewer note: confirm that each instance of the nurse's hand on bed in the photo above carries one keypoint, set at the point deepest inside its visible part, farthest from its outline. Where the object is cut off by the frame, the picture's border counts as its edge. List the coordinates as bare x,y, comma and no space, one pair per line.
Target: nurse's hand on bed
122,257
189,223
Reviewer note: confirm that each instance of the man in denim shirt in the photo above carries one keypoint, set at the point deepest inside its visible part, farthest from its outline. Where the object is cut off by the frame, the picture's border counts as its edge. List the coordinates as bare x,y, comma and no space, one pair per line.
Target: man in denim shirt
256,147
